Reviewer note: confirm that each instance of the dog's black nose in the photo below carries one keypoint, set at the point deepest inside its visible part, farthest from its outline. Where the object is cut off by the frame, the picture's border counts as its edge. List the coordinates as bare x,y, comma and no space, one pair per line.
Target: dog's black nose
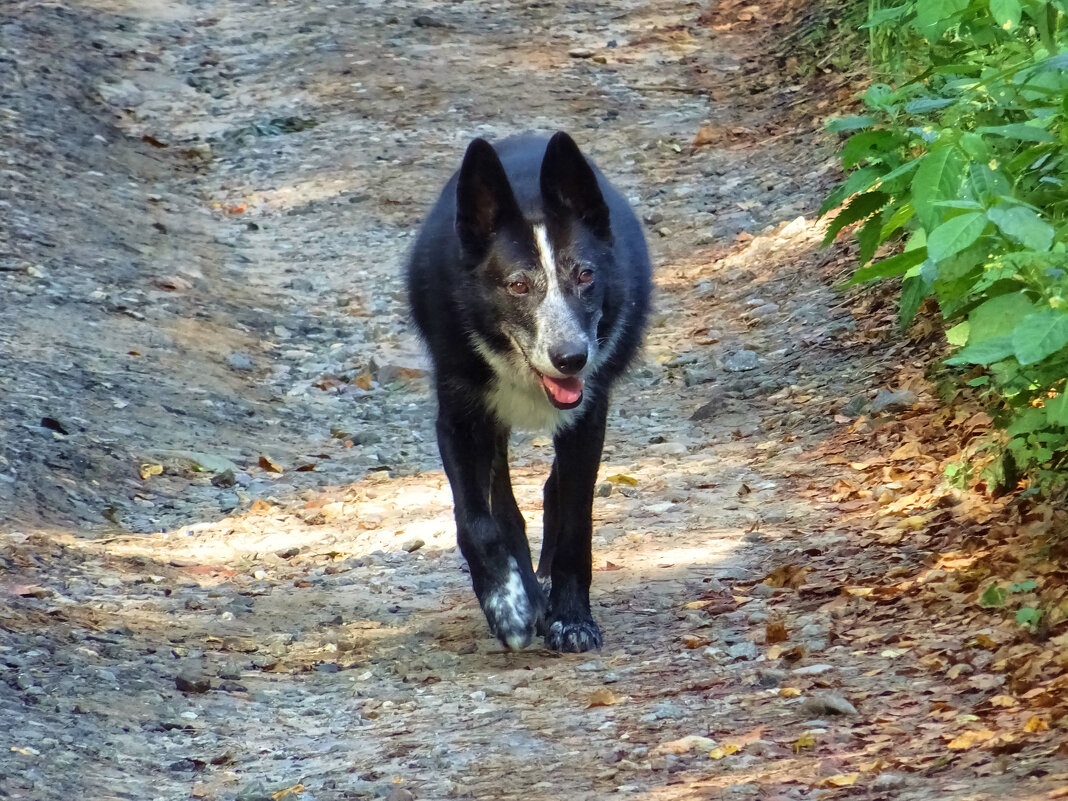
569,358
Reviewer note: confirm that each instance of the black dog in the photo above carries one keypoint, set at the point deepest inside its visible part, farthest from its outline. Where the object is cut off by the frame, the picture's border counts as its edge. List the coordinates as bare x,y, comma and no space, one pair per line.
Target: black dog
529,283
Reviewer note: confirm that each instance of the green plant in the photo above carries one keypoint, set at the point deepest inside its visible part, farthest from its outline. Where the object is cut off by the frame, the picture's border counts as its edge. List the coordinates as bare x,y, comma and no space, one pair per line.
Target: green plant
961,169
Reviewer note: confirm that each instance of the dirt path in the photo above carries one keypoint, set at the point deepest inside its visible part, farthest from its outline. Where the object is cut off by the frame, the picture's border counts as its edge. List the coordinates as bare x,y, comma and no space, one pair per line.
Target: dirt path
219,463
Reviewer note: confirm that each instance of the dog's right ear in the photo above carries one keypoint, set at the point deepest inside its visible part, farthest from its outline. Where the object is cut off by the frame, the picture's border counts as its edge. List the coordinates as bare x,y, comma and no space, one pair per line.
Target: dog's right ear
484,198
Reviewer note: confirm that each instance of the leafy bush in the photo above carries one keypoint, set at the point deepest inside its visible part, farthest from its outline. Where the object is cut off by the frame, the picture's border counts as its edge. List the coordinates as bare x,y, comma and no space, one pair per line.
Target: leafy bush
964,164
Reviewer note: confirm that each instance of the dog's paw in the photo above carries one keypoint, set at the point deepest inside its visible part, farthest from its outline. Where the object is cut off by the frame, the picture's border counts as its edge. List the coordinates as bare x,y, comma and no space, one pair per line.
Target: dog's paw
573,636
513,609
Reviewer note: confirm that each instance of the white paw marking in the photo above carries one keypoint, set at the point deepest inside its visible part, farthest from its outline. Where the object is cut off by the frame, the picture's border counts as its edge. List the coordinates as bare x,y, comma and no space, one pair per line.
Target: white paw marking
510,608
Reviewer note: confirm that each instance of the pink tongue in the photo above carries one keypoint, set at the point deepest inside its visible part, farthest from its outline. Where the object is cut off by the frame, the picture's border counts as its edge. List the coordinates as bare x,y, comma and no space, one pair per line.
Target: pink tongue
564,391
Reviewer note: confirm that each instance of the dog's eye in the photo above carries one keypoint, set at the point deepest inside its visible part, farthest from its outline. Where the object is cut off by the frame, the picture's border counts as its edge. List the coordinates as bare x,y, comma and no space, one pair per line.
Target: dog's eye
519,287
585,276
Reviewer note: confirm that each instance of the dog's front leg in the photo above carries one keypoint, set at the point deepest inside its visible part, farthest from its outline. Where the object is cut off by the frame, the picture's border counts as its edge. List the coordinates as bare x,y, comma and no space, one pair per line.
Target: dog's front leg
501,571
566,555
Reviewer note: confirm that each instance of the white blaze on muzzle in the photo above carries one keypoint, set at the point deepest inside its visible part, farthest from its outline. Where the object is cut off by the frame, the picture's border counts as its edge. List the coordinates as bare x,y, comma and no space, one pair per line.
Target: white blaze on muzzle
556,327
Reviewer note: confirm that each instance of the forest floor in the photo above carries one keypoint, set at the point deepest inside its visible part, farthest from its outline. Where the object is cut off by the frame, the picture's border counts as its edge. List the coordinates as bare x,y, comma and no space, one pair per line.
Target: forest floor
227,566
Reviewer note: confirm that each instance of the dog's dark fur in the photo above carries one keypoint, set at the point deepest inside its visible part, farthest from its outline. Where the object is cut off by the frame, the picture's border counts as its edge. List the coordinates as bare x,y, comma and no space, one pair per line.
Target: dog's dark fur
529,283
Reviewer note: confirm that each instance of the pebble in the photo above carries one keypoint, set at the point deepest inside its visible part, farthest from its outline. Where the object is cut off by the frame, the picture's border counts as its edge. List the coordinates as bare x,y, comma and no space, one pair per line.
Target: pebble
411,546
888,781
771,678
893,400
812,670
740,361
743,650
239,361
192,682
828,704
604,489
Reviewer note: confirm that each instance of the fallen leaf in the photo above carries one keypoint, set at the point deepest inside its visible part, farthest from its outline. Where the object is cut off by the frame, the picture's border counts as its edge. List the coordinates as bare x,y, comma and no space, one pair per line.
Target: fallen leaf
910,450
806,740
603,697
1036,724
970,739
259,507
148,470
692,641
775,632
790,692
1003,701
685,745
840,780
620,478
724,750
792,576
288,792
268,464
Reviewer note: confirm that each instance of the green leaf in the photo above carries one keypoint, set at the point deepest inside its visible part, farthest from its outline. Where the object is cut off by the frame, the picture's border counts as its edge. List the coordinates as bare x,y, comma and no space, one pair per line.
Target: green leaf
988,183
859,181
913,290
1023,586
1057,409
958,334
938,178
955,235
937,14
868,145
859,208
902,214
839,124
887,268
994,596
1022,225
998,316
1040,334
882,16
923,105
1018,130
868,237
1006,13
986,352
1029,616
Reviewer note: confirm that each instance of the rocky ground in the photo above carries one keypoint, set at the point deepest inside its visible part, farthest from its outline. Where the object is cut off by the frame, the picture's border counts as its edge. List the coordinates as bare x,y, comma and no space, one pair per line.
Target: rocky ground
227,568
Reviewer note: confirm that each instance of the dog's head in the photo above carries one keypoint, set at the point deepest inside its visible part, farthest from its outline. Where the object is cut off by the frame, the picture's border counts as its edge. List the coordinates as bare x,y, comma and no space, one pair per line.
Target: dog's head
542,277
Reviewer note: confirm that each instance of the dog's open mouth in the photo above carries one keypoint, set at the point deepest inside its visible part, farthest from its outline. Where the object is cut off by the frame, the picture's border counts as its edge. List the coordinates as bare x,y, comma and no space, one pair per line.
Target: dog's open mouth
563,393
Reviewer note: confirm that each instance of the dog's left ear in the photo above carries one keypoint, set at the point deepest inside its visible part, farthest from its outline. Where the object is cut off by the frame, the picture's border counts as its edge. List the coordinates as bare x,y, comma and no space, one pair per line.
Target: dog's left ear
569,185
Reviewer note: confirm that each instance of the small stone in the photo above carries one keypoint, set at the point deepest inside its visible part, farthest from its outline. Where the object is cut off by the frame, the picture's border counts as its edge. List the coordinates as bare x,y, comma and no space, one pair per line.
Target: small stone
328,667
771,678
224,479
888,781
411,546
828,704
239,361
604,489
191,682
743,650
740,361
580,52
893,401
426,21
398,374
812,670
